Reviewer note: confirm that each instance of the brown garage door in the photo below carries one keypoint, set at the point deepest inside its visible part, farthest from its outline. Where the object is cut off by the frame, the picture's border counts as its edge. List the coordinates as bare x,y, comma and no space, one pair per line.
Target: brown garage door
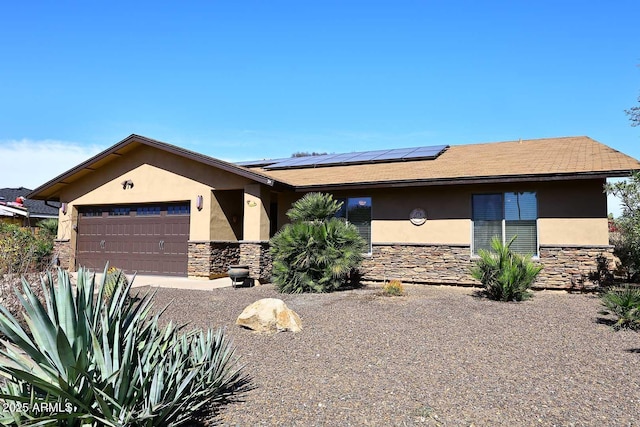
149,239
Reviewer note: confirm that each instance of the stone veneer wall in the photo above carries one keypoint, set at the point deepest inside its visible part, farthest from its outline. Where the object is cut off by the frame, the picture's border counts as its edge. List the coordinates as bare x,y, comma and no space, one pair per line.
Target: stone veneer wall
63,252
418,263
211,258
256,255
566,267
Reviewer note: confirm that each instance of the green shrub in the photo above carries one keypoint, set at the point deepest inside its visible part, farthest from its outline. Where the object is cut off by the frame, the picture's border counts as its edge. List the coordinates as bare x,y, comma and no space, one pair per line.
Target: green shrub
315,253
108,364
624,303
393,288
505,275
22,251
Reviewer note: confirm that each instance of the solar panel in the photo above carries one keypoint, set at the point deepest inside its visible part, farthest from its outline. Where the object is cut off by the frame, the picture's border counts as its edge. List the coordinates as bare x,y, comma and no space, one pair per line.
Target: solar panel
263,162
365,156
395,154
374,156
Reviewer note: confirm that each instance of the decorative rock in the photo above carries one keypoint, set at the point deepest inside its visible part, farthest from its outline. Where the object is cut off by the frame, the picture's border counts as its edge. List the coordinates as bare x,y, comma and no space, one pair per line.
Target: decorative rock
269,315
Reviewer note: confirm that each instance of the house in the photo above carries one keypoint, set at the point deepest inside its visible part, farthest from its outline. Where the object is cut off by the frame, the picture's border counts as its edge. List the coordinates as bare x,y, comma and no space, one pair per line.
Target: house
151,207
17,209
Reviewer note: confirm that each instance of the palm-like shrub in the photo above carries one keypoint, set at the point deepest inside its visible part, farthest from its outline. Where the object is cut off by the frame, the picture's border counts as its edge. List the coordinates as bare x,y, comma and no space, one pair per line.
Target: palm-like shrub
314,207
315,253
624,303
505,275
108,363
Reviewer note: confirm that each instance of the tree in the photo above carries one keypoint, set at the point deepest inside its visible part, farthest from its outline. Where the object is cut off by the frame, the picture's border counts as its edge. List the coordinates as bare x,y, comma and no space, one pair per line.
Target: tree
307,154
634,114
627,244
316,252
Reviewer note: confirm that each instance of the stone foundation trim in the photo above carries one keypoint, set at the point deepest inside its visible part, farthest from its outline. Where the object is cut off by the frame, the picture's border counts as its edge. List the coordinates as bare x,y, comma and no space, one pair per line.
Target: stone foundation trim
256,254
420,263
211,258
63,253
569,266
564,266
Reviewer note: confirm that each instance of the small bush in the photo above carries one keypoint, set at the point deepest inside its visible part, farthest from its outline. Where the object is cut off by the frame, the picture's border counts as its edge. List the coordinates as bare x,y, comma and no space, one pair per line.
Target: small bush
603,276
505,275
624,303
393,288
22,251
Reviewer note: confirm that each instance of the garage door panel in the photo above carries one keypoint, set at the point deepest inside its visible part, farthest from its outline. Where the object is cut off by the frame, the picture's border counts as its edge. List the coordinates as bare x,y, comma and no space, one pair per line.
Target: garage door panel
154,242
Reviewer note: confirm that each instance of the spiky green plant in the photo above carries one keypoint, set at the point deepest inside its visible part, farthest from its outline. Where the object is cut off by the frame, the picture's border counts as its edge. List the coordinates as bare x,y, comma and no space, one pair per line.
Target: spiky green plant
115,279
315,253
504,274
108,363
624,303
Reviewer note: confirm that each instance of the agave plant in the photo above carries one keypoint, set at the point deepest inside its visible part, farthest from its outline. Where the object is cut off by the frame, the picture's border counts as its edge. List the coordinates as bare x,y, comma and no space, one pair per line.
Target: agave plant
115,278
87,361
505,275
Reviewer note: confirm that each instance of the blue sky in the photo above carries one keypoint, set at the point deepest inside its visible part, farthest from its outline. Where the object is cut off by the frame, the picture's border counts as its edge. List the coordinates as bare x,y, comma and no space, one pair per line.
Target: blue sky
250,79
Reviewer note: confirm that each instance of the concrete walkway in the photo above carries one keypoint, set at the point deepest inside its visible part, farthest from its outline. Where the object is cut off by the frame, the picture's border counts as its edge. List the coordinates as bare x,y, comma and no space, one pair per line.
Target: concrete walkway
181,282
172,282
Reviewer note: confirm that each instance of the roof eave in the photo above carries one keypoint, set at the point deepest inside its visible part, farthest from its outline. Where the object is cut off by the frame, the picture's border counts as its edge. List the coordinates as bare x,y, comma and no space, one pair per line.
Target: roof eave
501,179
113,150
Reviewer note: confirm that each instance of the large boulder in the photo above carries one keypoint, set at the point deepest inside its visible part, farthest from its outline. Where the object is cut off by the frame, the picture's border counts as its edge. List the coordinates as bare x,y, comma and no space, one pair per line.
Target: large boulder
269,315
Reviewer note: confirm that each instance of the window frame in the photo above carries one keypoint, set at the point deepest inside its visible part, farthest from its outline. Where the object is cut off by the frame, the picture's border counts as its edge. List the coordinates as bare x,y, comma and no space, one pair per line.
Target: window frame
345,201
503,221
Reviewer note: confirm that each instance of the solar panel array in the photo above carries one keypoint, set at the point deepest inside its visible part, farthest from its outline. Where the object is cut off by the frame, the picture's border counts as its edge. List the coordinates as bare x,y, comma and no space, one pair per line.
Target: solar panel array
377,156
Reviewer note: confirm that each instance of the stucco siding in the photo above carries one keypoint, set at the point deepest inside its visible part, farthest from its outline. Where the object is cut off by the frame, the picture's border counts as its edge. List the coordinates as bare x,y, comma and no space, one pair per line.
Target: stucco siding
437,231
573,231
157,177
569,212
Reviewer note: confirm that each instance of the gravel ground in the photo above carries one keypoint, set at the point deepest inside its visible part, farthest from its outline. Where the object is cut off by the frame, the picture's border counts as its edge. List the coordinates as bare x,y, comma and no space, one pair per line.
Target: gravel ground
439,356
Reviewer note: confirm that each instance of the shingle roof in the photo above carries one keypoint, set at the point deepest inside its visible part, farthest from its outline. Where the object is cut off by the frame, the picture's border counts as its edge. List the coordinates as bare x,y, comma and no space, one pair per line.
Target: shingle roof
36,207
498,161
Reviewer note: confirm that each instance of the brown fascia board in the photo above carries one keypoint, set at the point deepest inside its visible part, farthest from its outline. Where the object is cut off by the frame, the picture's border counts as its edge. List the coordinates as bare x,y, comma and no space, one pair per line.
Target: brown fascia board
506,179
113,150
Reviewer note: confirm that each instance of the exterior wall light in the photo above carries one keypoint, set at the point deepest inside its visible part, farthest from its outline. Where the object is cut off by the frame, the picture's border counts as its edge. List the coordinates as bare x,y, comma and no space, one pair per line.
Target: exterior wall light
63,207
199,202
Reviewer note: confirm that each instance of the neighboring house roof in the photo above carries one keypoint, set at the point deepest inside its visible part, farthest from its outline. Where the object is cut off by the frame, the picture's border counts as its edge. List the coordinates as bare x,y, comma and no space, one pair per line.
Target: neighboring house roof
36,208
12,211
50,190
537,159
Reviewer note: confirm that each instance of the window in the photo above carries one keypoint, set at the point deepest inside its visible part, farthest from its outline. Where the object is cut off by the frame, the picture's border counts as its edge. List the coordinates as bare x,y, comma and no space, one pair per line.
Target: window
357,211
179,209
92,212
506,215
119,211
147,210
